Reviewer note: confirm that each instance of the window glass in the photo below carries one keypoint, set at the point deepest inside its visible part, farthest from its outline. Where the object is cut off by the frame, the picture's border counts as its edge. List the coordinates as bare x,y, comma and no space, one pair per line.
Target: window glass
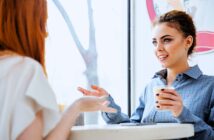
68,54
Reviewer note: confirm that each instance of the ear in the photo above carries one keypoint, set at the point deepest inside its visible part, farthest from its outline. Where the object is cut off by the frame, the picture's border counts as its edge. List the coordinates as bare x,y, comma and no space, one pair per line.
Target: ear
188,42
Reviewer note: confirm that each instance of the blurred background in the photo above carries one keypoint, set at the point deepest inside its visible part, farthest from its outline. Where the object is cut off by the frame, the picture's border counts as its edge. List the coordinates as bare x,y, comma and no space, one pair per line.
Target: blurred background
108,43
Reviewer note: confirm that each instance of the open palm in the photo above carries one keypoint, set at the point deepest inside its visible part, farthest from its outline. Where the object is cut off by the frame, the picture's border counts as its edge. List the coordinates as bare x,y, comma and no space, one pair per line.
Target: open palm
95,91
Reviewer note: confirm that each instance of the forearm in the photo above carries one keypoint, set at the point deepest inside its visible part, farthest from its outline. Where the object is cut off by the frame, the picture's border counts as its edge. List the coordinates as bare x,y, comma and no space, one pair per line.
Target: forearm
201,128
63,128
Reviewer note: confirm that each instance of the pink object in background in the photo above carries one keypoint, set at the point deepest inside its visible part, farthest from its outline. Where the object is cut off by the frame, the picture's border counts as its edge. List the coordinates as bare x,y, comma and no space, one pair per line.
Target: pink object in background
205,39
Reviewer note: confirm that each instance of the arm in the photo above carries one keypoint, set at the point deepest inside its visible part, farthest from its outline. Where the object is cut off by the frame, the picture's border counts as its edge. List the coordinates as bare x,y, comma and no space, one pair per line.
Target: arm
62,130
34,131
110,118
115,118
119,117
172,101
137,115
202,129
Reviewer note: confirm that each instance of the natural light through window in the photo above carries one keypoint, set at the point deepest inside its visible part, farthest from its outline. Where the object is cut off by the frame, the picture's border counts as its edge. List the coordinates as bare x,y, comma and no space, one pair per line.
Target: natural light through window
66,65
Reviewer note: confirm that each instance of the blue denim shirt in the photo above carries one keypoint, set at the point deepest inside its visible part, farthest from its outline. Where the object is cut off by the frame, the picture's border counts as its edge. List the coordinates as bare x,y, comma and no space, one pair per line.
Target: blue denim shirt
197,92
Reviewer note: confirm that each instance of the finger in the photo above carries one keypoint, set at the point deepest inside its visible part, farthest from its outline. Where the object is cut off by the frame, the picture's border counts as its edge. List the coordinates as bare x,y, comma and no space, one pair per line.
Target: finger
169,103
87,92
166,102
80,89
101,90
95,93
165,107
160,106
94,87
171,91
168,96
84,91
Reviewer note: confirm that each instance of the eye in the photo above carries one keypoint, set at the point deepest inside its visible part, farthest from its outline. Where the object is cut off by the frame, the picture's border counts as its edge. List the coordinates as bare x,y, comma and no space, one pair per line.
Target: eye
154,42
167,40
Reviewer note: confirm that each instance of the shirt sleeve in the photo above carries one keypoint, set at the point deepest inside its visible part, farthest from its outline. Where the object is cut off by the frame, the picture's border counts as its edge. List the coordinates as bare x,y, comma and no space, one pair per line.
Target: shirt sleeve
115,118
119,117
137,115
203,130
37,96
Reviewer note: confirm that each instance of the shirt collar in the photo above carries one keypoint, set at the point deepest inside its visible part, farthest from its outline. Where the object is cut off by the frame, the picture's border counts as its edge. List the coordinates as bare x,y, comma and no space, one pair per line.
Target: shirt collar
161,73
193,72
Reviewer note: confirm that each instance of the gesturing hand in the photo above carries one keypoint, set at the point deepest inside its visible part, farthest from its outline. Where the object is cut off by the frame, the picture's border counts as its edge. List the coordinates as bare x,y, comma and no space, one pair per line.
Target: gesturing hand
92,103
96,91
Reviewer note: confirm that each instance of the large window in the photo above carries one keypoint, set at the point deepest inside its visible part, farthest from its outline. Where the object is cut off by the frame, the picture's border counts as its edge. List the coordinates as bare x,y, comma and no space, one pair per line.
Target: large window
87,44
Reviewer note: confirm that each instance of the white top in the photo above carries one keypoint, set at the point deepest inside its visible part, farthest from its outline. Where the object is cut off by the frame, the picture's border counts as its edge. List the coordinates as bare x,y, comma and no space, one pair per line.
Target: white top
24,90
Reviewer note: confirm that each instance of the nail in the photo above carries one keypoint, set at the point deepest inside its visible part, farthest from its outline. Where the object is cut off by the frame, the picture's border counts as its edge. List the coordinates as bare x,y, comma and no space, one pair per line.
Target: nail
157,94
158,106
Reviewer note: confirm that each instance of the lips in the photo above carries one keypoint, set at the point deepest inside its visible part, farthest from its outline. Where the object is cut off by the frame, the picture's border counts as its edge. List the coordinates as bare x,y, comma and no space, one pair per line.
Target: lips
162,57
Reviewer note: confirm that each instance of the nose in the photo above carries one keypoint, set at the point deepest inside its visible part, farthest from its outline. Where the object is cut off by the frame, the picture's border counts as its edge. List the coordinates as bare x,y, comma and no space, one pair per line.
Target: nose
159,46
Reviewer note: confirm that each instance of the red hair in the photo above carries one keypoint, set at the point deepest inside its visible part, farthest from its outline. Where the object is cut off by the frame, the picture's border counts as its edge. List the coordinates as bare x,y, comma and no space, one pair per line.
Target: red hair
23,28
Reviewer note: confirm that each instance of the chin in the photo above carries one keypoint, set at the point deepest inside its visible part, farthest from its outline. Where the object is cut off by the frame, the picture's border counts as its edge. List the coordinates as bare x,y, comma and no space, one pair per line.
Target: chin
164,65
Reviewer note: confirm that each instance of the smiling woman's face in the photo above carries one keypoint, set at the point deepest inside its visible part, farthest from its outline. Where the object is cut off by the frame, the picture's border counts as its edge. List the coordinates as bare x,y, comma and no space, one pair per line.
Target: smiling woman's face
170,45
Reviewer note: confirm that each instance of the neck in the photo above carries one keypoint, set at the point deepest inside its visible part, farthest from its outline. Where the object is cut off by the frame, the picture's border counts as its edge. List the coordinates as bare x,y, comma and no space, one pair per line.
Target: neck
173,71
7,52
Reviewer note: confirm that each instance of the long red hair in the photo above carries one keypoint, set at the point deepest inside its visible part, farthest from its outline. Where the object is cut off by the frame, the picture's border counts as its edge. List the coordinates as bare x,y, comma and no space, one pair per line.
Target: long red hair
23,28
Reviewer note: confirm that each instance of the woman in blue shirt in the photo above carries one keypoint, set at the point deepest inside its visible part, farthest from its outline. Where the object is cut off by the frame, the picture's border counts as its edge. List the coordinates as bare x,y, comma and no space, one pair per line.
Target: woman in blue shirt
192,98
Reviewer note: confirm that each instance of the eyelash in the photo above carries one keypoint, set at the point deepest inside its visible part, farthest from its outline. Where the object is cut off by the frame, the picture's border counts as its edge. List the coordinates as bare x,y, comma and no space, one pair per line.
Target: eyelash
154,43
165,40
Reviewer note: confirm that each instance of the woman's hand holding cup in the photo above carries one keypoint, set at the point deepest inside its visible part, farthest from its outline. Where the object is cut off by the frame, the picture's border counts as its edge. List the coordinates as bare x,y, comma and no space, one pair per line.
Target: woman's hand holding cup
168,99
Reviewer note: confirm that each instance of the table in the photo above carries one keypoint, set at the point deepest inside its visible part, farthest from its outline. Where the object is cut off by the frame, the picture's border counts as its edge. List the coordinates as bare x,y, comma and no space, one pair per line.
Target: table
118,132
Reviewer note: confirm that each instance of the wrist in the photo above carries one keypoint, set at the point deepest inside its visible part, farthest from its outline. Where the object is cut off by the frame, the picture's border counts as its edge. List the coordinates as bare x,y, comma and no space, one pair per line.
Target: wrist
178,113
75,109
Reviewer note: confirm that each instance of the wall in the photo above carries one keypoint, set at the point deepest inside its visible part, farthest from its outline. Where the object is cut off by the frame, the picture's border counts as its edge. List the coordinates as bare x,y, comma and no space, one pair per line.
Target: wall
144,61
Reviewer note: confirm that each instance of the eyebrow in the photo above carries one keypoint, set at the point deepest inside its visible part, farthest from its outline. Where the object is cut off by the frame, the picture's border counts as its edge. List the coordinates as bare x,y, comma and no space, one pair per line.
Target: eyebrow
162,37
166,36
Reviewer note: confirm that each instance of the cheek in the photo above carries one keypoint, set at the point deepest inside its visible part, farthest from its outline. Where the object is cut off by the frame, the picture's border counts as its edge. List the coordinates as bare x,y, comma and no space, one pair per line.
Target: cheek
172,48
178,52
155,52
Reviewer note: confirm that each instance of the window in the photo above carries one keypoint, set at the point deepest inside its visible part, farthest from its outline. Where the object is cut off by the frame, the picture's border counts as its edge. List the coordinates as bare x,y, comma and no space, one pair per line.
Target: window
68,54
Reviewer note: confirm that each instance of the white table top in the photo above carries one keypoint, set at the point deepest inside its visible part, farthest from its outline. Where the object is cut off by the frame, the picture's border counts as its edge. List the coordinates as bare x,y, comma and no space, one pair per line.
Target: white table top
118,132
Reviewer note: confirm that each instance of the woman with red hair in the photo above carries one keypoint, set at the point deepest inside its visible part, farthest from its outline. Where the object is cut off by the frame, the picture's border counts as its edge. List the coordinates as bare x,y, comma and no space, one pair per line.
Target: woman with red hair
27,104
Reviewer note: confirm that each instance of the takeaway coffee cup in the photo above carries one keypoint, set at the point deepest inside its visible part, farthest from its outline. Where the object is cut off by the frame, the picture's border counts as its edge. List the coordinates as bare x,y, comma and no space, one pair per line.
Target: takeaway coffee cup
158,89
